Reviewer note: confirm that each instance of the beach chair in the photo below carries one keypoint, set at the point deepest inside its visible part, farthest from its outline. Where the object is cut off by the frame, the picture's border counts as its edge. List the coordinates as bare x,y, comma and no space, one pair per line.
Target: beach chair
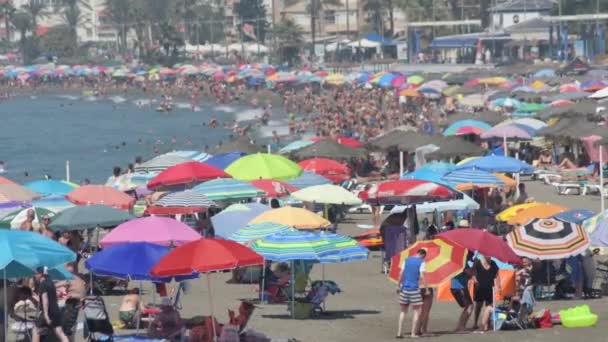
24,314
319,290
98,327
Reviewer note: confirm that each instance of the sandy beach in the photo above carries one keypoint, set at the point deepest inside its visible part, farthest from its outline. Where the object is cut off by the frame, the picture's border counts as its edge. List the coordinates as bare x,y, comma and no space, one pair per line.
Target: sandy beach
367,308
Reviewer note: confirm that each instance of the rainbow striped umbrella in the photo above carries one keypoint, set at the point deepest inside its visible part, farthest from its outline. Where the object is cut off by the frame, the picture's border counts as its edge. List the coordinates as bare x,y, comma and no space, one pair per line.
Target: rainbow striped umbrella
343,249
466,127
291,245
257,231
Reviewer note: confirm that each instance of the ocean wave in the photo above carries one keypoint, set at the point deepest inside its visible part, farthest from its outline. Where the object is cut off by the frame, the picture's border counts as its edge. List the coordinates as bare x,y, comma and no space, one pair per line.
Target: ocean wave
227,109
249,114
117,99
69,97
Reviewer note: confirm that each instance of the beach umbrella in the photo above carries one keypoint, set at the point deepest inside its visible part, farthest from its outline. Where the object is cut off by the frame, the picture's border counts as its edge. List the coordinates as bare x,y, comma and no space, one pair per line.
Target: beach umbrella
5,181
16,193
410,93
327,194
577,216
428,175
307,179
415,79
600,94
328,148
273,188
548,239
544,73
542,211
512,212
534,124
181,202
295,145
466,203
483,242
257,231
570,88
466,127
599,237
592,223
471,177
89,217
473,100
54,203
494,163
21,252
160,163
186,174
9,207
335,171
335,79
263,166
228,189
592,86
444,260
292,245
293,217
131,181
49,187
531,107
190,155
235,217
130,261
560,103
157,230
16,218
510,131
238,145
405,191
100,194
222,160
342,249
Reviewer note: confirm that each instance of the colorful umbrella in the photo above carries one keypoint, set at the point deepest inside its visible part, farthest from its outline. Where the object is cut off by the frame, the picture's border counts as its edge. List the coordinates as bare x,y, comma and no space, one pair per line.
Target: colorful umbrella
235,217
186,174
576,216
51,187
471,177
537,212
292,245
263,166
257,231
410,93
190,155
512,212
273,188
160,163
4,181
89,217
343,249
21,252
100,194
293,217
295,145
228,189
158,230
328,168
307,179
599,237
222,160
444,260
494,163
327,194
204,256
16,218
510,131
404,191
483,242
182,202
16,193
464,126
548,239
592,223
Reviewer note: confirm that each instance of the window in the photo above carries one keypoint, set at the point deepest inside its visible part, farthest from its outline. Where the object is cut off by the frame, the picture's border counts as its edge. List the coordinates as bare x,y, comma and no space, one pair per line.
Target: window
330,17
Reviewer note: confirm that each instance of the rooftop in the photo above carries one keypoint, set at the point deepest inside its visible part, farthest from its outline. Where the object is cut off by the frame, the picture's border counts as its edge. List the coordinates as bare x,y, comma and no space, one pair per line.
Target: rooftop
524,5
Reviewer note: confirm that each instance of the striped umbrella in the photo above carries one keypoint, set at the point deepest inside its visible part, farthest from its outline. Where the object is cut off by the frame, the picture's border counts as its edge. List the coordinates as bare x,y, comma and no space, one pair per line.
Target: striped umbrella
548,239
191,155
343,249
471,177
592,223
444,260
160,163
225,189
404,191
292,245
257,231
182,202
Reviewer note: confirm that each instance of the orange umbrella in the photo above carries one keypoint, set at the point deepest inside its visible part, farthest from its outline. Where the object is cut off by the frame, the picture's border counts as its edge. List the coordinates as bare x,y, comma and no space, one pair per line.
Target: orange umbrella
410,93
100,194
4,180
538,211
444,261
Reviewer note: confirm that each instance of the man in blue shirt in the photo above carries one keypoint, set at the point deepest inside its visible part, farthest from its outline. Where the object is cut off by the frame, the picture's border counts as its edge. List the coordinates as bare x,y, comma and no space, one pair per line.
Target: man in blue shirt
409,289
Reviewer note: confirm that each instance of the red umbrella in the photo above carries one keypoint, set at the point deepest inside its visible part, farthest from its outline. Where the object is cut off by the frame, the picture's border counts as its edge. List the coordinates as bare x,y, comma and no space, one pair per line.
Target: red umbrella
404,191
100,194
328,168
344,141
186,173
204,256
6,181
274,188
485,243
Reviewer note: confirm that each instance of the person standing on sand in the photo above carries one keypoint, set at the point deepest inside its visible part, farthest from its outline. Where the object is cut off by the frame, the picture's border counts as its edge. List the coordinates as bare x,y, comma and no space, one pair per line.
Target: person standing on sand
409,290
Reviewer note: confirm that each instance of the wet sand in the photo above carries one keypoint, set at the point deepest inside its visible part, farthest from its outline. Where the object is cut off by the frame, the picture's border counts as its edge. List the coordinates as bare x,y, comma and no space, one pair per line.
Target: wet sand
367,309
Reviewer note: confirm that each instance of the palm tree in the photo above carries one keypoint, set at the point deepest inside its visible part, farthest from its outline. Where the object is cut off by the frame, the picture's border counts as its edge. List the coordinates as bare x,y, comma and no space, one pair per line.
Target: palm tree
376,10
22,21
37,9
7,10
315,9
290,37
72,15
119,13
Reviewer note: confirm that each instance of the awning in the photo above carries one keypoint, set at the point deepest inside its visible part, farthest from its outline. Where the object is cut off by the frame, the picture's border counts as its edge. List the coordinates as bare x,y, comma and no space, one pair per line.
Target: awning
465,40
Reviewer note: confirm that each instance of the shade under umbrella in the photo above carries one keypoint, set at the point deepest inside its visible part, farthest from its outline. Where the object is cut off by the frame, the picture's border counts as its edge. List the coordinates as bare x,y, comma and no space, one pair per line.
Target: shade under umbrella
329,149
548,239
483,242
100,194
89,217
158,230
181,202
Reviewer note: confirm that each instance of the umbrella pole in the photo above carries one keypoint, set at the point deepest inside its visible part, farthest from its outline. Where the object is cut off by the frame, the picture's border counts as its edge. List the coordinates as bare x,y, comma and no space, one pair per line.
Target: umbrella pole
401,168
262,291
138,318
323,281
493,310
601,161
293,290
5,324
504,145
67,170
211,306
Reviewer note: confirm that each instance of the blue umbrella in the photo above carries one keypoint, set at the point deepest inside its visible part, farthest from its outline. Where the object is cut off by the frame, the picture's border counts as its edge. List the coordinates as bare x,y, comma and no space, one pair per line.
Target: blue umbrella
427,175
50,187
575,215
21,252
236,217
55,203
543,73
343,249
385,80
222,160
131,261
257,231
228,189
471,176
307,179
494,163
295,145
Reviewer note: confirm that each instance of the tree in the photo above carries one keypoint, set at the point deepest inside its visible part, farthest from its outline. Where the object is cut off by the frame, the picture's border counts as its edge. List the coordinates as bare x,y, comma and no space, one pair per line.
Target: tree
59,41
8,11
376,10
37,9
290,37
253,12
119,13
315,9
71,15
22,21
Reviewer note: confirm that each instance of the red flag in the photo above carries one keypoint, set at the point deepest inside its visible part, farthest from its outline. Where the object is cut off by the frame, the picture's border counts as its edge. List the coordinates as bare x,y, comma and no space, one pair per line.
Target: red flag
249,31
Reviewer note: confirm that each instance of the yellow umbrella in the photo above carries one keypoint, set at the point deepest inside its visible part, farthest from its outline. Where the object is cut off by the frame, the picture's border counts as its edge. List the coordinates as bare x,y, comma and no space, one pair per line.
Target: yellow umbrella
493,80
292,217
538,84
335,79
512,212
327,194
542,211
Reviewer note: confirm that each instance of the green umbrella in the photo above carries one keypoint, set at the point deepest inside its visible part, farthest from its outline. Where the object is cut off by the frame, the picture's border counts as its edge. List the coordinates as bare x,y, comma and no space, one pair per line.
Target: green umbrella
531,107
16,218
88,217
263,166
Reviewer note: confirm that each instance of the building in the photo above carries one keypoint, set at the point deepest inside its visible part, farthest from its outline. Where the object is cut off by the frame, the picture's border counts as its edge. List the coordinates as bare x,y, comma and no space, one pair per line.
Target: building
334,20
513,12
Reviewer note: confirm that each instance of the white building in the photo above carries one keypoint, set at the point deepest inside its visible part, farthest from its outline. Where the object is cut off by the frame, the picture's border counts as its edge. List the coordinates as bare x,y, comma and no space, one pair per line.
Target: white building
333,19
513,12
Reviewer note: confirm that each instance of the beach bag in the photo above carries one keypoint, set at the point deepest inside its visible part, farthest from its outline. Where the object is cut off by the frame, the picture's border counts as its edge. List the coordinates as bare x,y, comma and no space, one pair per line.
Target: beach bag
544,321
